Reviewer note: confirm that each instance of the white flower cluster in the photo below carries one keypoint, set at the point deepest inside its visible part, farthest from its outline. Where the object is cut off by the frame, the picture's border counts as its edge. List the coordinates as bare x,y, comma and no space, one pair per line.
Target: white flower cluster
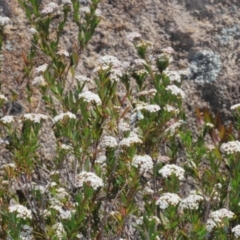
216,218
22,211
171,109
131,139
236,231
168,199
108,60
39,80
173,76
172,169
144,163
63,53
144,43
50,8
66,146
2,97
231,147
7,119
83,79
63,115
176,91
150,108
90,178
35,117
210,125
236,106
63,214
123,126
133,36
89,97
4,21
115,74
164,57
59,230
191,202
41,68
109,141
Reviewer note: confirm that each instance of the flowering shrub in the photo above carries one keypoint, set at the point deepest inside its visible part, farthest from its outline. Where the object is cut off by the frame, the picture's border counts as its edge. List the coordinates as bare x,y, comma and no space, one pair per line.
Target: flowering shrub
125,166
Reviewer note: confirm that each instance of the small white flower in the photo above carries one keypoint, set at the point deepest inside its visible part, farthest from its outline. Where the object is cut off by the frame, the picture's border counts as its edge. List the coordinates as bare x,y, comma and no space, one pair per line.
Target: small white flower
63,115
236,231
133,138
4,21
216,218
231,147
7,119
90,178
41,68
210,125
191,202
89,97
59,230
22,211
164,57
155,219
63,53
144,43
66,146
39,81
123,126
173,76
172,169
168,199
133,36
40,188
176,91
109,141
2,97
144,163
115,74
98,68
109,60
35,117
139,221
61,194
83,79
236,106
151,108
148,190
171,109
